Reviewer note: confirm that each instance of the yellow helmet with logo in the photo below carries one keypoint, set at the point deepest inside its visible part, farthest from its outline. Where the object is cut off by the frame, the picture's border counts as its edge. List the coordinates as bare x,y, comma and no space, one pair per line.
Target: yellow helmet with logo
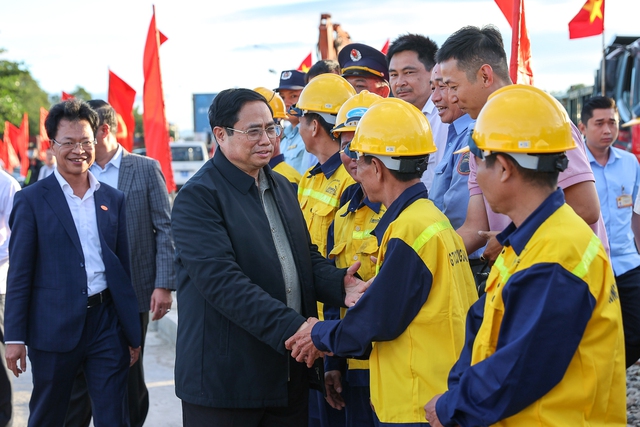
325,94
275,102
392,129
523,119
352,110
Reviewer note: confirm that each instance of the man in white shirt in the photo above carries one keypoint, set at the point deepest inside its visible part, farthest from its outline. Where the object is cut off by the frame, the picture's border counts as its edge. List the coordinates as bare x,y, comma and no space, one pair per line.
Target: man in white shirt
69,295
411,59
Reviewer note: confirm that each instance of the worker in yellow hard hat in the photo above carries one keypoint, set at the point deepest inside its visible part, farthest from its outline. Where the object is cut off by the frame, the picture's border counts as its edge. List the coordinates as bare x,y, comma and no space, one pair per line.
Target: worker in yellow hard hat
411,319
277,162
350,240
545,344
321,187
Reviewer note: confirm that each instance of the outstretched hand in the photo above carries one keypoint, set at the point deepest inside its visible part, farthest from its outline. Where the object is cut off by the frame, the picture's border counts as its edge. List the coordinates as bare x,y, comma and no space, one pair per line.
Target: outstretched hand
354,287
301,344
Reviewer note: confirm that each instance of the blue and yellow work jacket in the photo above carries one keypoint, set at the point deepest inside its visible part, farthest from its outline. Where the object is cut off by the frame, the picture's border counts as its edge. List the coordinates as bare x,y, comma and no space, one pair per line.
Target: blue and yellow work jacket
278,164
411,319
545,345
350,240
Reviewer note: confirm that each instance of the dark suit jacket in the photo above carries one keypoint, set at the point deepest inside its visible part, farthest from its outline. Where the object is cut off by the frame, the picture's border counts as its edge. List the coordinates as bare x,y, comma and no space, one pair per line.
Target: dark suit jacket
234,319
46,301
148,226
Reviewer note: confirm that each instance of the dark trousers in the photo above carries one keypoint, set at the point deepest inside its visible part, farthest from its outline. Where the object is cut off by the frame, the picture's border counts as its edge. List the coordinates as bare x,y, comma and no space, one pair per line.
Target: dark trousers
358,410
103,354
629,290
295,414
5,376
79,411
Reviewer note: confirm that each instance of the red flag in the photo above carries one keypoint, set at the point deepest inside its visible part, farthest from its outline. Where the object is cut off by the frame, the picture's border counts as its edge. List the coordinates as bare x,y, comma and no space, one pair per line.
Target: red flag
156,128
66,96
589,21
12,136
4,148
306,64
520,63
44,138
385,48
24,145
121,98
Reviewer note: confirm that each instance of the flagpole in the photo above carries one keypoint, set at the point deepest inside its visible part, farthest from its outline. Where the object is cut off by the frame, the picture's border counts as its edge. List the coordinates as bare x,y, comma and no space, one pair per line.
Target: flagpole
515,40
604,63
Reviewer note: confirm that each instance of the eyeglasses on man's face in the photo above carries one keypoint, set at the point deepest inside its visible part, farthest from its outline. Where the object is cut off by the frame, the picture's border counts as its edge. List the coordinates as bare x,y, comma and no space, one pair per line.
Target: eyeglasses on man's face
86,145
255,134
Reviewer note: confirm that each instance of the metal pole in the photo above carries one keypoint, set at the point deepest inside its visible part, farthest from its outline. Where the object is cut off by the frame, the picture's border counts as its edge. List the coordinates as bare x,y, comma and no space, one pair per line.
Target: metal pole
604,63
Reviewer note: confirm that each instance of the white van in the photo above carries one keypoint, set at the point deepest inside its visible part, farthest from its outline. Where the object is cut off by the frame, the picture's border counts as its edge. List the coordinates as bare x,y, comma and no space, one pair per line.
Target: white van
187,157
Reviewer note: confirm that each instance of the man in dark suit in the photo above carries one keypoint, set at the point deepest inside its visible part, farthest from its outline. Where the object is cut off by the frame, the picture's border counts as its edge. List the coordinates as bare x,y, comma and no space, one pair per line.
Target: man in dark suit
69,295
149,231
248,277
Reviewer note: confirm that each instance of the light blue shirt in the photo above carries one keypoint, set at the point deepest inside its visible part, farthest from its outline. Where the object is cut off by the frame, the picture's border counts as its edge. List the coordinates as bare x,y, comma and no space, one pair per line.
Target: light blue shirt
292,146
109,175
620,176
449,190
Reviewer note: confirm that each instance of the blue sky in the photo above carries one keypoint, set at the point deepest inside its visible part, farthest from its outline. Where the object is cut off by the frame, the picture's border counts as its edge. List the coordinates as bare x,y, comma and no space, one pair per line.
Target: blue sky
236,44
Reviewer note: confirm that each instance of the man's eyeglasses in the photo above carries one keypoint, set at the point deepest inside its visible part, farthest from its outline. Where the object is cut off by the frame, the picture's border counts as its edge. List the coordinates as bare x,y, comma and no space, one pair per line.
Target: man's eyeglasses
256,134
351,154
86,145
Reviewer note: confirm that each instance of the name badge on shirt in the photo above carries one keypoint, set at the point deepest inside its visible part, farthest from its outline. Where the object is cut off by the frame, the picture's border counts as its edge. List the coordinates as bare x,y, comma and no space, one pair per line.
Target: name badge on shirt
624,201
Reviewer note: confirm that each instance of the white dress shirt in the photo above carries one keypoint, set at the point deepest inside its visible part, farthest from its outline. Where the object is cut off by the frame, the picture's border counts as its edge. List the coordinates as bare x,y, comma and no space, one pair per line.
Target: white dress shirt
439,131
83,212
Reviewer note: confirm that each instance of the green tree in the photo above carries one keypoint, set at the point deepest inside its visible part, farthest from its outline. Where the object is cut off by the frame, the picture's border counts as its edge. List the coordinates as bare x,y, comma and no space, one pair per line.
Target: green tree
20,93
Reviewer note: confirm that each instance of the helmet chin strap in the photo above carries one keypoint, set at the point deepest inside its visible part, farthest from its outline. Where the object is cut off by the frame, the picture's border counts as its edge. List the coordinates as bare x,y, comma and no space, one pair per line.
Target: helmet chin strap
541,162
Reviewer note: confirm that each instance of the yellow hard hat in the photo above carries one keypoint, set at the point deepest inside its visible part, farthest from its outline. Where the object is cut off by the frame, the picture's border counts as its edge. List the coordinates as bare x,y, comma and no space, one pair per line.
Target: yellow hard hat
523,119
395,132
275,102
352,110
325,94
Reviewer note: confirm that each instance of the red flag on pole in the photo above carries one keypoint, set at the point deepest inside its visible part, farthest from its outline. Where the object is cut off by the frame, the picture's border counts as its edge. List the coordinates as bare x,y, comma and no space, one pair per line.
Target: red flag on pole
589,21
156,128
66,96
385,48
4,148
44,138
24,145
121,98
12,136
306,64
520,63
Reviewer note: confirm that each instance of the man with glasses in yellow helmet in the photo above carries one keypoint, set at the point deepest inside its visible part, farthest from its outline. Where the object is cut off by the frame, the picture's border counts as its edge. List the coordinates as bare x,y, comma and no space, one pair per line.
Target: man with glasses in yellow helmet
277,163
411,319
545,344
350,240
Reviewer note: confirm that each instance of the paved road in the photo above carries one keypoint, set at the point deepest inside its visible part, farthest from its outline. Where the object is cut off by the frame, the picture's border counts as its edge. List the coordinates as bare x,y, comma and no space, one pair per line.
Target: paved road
164,406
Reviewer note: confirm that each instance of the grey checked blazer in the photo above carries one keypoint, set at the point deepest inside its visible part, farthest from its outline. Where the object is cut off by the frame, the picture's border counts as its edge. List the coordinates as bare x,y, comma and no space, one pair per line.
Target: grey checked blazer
148,226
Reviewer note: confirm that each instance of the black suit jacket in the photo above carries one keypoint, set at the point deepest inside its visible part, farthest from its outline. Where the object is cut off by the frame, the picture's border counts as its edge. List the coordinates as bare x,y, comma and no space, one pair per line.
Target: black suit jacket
233,315
46,301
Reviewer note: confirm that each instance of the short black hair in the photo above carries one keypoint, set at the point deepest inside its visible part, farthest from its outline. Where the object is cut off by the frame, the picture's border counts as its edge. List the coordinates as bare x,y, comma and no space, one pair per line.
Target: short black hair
322,67
596,103
423,46
328,127
73,110
226,106
539,179
106,114
473,47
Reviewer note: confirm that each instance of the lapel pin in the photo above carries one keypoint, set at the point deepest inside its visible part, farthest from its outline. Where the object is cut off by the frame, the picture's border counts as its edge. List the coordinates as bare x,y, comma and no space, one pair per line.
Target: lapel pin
104,208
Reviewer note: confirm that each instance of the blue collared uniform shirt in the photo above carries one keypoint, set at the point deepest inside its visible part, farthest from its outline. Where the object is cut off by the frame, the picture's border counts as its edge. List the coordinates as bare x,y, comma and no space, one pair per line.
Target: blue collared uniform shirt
619,177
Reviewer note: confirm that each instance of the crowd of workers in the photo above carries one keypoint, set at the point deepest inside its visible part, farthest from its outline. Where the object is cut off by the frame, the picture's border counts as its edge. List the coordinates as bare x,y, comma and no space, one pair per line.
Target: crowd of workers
422,243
